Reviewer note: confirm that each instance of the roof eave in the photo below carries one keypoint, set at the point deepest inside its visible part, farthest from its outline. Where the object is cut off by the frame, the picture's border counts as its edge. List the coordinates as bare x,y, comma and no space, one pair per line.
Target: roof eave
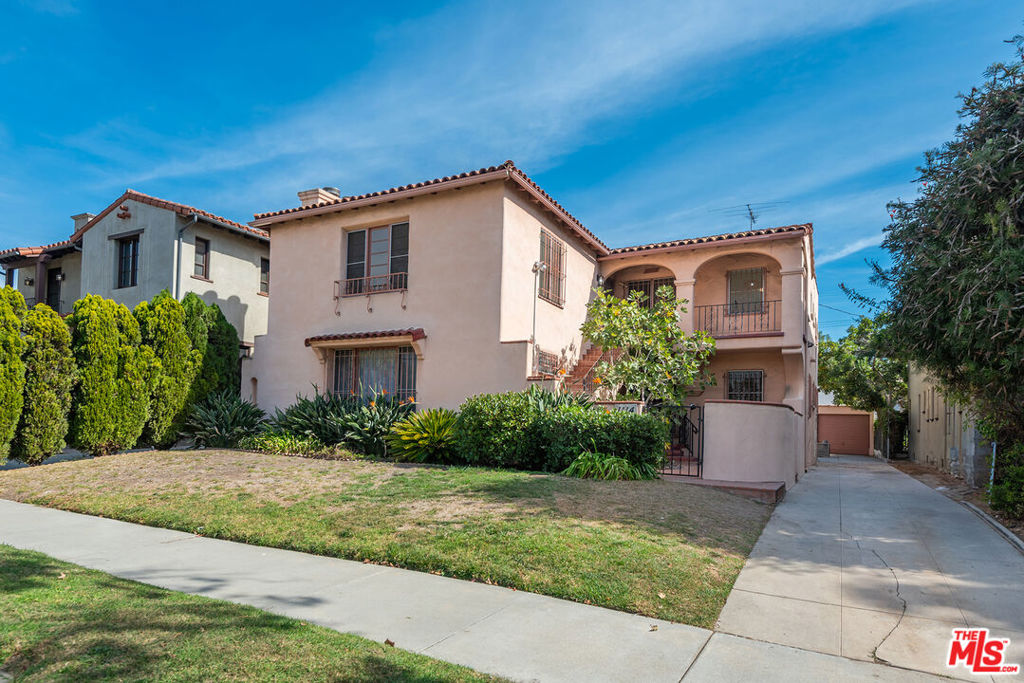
791,234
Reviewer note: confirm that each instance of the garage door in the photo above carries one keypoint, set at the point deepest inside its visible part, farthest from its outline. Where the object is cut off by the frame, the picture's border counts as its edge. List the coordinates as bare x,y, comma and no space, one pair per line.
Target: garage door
847,434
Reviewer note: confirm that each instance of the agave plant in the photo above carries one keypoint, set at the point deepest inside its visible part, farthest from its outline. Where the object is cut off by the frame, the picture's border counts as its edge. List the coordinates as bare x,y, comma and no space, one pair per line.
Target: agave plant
544,400
425,437
322,417
222,420
367,427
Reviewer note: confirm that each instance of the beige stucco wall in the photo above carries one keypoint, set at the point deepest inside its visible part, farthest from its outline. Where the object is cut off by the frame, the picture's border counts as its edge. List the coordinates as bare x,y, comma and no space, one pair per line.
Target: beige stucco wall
234,275
752,442
455,285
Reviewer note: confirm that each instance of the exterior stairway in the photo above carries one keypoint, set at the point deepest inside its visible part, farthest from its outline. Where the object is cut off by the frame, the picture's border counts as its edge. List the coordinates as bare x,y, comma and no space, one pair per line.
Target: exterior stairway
581,377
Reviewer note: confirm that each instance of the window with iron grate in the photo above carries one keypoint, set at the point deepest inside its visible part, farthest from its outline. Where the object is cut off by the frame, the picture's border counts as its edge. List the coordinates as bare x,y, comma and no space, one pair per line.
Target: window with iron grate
745,385
552,278
649,288
370,372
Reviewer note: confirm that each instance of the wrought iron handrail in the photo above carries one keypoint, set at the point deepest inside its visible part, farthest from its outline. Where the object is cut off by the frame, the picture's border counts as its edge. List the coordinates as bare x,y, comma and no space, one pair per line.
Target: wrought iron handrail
722,320
374,284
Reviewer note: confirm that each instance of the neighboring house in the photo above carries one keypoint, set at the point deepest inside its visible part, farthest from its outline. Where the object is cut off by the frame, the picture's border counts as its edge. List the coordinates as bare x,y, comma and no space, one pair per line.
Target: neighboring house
479,283
140,245
944,434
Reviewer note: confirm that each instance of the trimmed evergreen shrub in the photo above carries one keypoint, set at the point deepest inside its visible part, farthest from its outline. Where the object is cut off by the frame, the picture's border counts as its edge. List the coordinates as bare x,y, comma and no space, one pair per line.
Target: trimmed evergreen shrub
162,328
222,359
110,403
223,420
49,378
494,430
12,368
428,436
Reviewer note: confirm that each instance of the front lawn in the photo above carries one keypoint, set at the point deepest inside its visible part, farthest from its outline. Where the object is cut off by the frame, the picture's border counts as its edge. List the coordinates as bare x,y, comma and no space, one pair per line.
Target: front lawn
657,548
59,621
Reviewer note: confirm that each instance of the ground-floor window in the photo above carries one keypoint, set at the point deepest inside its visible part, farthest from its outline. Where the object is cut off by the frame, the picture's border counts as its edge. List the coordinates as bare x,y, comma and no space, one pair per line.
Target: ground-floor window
745,385
374,371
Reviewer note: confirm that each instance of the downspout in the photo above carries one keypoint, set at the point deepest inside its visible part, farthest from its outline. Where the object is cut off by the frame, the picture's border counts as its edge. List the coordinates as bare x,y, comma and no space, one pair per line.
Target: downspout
177,268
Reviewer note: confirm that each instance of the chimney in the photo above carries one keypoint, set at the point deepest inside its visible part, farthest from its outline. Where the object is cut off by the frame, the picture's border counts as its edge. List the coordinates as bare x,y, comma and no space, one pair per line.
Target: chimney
319,195
81,219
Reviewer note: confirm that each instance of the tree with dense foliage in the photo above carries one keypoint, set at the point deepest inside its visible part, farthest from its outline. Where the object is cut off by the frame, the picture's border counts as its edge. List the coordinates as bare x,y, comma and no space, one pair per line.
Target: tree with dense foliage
956,285
655,361
216,340
110,404
12,368
49,378
859,372
162,328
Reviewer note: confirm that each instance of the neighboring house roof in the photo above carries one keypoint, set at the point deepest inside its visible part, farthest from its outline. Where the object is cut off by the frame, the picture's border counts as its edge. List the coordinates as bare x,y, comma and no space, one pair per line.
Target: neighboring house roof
505,171
181,209
416,333
17,253
803,228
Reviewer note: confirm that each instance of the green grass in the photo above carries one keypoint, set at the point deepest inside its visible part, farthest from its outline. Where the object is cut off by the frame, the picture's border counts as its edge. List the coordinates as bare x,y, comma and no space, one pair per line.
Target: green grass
59,621
657,548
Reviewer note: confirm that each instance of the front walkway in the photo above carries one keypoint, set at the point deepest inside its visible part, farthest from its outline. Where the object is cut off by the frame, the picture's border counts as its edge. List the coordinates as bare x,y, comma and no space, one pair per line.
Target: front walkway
863,561
496,630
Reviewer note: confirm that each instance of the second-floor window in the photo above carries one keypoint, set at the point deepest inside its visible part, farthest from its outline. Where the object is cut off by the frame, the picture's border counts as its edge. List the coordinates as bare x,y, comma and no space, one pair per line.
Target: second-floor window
377,259
264,276
746,290
745,385
128,261
202,267
551,287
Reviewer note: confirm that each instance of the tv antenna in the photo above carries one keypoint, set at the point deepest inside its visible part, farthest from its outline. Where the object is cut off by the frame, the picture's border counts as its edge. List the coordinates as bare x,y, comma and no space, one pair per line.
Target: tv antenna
750,211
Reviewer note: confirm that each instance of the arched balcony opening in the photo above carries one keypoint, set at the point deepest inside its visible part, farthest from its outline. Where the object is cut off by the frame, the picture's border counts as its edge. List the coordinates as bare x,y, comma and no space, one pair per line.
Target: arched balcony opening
646,279
738,295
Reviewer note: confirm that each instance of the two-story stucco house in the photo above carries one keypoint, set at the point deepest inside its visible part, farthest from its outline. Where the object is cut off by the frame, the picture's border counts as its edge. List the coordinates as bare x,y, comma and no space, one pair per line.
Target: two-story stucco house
479,282
140,245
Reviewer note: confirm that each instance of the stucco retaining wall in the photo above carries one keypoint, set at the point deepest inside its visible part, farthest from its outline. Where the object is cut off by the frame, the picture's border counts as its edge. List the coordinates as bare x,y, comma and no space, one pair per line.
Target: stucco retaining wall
752,442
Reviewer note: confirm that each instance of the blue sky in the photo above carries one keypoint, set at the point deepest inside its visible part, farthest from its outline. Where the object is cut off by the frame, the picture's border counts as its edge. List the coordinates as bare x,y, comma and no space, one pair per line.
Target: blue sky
641,118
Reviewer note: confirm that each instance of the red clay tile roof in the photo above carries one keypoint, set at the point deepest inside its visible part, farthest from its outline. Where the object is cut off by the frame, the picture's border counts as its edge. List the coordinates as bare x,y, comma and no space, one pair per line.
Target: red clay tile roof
506,170
182,209
762,232
27,252
416,333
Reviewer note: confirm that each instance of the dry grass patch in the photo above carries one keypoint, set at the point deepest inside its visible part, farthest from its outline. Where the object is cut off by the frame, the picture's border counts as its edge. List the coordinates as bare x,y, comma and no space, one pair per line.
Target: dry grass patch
658,548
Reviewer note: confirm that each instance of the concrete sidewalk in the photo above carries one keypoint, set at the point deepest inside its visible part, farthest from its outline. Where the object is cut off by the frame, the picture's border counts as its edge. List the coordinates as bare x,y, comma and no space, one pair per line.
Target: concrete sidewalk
497,630
863,561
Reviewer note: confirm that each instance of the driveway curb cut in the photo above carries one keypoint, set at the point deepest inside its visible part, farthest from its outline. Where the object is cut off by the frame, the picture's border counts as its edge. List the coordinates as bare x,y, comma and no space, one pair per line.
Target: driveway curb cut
994,523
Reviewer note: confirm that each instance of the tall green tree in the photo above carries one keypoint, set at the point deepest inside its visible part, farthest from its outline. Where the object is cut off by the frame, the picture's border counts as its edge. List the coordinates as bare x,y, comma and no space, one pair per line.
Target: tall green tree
110,404
655,361
162,328
217,343
12,368
49,377
859,371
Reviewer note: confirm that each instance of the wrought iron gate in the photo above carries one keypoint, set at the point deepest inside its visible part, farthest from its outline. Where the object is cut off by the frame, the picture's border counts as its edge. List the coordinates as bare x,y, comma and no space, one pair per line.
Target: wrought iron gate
685,455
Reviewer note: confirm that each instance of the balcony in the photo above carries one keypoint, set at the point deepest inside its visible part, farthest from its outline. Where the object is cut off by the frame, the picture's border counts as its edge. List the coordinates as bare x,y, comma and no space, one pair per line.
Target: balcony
739,319
374,284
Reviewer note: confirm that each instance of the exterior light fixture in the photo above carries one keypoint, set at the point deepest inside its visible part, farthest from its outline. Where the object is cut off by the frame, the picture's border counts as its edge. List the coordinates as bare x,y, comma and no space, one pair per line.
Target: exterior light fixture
29,281
60,277
600,280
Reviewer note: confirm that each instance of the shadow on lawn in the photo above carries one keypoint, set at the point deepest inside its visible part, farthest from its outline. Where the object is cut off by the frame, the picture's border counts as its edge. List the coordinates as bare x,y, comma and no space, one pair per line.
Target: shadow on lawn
84,625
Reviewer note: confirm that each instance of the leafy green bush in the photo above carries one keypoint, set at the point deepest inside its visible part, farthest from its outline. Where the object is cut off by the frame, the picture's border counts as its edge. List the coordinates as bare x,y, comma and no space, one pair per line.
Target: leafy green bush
223,420
110,404
428,436
12,368
1007,493
289,444
494,430
162,326
368,427
563,433
49,377
323,417
595,465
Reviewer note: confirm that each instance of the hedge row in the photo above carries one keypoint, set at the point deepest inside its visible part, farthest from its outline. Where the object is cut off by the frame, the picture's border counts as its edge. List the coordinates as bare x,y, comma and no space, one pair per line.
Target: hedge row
106,377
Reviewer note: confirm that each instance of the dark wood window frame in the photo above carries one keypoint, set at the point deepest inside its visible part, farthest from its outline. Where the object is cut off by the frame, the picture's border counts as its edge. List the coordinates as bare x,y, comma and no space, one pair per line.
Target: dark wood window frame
364,252
127,271
264,275
201,267
344,372
745,380
551,287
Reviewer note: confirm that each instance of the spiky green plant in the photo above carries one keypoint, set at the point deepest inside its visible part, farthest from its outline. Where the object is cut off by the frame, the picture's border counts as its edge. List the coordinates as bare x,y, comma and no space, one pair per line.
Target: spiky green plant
223,420
544,400
321,416
368,426
428,436
595,465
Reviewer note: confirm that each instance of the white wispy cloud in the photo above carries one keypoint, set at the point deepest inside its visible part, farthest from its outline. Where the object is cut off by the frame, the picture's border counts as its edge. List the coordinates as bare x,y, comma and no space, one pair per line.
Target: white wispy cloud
848,249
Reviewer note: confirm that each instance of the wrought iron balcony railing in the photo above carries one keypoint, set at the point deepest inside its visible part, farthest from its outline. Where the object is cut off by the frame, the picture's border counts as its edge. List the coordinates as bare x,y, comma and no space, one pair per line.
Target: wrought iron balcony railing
739,319
374,284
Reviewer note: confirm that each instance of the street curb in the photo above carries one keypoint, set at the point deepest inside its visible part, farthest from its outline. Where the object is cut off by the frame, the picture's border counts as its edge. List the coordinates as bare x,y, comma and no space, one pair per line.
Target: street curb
994,523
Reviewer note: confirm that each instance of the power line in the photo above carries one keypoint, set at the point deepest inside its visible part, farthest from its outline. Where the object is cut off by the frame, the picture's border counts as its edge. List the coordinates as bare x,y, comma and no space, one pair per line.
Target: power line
833,308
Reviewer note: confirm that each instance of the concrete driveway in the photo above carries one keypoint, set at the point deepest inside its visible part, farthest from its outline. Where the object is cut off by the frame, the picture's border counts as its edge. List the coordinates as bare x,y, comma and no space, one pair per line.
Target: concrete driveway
863,561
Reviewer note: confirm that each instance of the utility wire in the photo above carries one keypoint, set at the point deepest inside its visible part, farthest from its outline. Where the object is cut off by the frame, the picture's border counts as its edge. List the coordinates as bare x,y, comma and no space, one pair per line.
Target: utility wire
833,308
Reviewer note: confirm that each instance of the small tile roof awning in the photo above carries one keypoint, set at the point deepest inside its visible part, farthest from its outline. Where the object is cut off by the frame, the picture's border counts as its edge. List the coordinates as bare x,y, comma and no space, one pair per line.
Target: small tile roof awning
803,228
414,334
18,253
